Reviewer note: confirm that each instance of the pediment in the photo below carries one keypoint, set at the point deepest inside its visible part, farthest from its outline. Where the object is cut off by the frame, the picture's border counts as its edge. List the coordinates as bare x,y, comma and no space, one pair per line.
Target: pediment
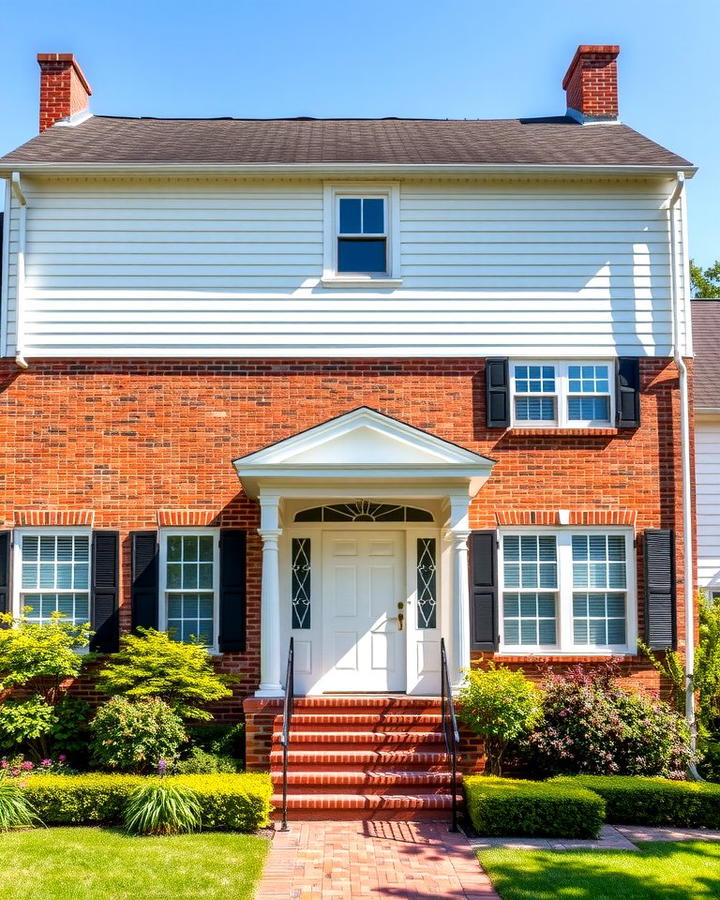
363,437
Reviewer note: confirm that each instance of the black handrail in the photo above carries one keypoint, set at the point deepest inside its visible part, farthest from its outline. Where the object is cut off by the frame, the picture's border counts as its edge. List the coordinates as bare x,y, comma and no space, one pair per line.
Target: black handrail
450,731
288,704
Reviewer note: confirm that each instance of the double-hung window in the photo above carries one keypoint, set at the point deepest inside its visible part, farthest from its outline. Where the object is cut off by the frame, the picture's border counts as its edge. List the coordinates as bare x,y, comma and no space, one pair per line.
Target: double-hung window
562,394
54,574
189,584
567,591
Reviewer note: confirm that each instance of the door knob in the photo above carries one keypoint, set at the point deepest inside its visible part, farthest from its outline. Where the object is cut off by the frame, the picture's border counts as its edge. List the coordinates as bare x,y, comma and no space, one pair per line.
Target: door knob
401,619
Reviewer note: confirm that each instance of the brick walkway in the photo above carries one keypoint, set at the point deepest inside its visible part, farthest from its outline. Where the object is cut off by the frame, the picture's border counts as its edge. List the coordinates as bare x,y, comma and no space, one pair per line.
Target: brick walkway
349,860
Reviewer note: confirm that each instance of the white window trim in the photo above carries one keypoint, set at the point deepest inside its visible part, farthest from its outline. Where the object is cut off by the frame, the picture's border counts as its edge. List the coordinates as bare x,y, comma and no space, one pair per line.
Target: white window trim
564,591
562,393
163,535
18,534
390,191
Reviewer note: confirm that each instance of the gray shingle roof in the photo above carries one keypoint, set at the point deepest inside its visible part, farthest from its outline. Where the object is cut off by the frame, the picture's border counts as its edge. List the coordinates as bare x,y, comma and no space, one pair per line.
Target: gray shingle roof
551,141
706,340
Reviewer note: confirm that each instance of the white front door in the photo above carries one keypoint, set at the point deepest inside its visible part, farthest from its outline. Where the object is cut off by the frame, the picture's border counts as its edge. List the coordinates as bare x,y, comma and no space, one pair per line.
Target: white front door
364,593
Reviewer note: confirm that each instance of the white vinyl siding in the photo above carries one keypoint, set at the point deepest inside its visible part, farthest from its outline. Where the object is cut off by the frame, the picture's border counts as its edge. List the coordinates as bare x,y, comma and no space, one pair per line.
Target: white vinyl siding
232,268
707,462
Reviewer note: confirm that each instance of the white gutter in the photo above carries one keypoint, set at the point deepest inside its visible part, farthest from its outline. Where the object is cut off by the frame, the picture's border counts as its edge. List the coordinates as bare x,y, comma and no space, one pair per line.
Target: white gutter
17,190
677,290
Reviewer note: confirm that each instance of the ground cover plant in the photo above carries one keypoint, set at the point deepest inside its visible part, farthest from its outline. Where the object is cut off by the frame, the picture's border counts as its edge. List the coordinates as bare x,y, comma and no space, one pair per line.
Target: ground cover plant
106,864
671,871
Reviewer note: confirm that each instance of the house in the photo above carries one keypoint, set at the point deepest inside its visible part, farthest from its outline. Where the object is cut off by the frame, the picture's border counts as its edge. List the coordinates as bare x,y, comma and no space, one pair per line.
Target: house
706,328
367,383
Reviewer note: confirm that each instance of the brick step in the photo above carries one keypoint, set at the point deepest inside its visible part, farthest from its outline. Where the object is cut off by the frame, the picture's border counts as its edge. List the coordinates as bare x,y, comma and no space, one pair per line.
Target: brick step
364,790
365,778
373,721
354,703
371,738
370,802
349,759
369,726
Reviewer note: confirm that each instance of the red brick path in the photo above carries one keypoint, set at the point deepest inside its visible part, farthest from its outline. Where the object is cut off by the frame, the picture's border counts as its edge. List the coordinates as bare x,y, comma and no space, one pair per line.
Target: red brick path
350,860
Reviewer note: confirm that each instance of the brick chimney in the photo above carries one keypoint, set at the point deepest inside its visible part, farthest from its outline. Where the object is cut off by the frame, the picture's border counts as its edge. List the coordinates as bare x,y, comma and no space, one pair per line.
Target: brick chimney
64,90
590,83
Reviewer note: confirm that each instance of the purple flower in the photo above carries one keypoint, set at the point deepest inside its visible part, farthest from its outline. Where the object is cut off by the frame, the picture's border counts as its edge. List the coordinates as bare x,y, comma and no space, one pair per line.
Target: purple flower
62,758
46,763
162,766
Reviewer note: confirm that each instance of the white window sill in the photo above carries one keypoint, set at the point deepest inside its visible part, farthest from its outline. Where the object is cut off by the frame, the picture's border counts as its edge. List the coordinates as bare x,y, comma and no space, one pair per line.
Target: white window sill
577,651
354,281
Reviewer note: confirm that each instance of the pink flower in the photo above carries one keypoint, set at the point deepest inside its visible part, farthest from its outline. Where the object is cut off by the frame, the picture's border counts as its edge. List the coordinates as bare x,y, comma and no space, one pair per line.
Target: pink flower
62,758
27,765
46,763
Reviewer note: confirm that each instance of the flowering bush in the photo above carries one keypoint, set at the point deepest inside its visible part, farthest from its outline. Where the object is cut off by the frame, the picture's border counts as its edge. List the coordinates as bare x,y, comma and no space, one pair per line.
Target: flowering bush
501,706
590,725
18,766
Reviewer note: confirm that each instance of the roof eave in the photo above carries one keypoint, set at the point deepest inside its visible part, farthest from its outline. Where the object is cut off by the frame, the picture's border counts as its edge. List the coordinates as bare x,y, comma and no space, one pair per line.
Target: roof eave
340,169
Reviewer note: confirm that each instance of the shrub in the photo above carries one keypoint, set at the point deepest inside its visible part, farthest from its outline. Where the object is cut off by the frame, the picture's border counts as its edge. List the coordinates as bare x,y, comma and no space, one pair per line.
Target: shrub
501,706
710,767
150,665
707,667
229,802
653,801
162,808
19,767
134,737
225,740
15,808
200,762
591,725
69,733
26,723
507,807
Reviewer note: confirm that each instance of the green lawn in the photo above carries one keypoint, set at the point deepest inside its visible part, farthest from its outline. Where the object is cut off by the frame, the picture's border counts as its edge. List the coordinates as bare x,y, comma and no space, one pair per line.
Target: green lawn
105,864
659,871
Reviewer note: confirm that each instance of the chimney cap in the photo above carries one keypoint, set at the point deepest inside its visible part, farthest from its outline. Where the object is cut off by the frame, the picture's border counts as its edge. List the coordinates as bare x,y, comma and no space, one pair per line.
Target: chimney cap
65,58
610,51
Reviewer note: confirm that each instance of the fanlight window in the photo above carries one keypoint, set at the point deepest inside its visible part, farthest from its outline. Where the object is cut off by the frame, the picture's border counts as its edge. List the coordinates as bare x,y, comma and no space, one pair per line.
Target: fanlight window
363,511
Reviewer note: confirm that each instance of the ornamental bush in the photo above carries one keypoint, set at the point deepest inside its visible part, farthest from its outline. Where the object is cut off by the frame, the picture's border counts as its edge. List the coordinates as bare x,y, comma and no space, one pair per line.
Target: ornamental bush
229,802
501,705
511,807
589,724
135,737
150,665
162,808
15,807
200,762
653,801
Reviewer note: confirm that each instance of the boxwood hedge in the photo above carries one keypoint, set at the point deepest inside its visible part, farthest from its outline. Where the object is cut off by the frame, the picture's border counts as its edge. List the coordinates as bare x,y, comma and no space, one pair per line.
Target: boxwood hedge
229,802
504,807
641,800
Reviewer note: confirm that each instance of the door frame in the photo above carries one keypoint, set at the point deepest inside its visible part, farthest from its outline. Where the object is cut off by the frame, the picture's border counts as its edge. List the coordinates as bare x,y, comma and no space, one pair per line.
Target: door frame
310,677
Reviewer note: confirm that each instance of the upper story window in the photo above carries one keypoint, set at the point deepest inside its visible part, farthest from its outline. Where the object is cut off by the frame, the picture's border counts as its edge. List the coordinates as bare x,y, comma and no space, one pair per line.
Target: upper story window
361,234
563,394
189,589
54,575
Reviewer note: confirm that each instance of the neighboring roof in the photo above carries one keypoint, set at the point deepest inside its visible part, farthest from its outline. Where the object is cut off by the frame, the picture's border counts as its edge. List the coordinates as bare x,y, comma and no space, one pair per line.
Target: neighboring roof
559,141
706,340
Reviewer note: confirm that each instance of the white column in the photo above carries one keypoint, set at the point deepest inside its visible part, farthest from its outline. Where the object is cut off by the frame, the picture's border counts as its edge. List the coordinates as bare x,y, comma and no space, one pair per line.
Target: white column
458,535
271,676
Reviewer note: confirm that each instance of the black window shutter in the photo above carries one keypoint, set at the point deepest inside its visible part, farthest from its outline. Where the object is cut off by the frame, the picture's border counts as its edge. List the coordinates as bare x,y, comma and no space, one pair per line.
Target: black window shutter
105,619
145,598
232,590
660,593
497,392
483,590
627,392
5,571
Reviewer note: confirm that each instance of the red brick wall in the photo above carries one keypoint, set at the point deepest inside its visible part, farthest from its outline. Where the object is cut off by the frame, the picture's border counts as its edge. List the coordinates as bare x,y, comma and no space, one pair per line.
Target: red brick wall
591,81
63,88
126,439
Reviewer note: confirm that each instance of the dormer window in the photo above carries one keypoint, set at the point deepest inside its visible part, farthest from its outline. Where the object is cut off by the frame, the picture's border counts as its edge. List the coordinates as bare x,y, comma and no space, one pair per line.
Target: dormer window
362,241
362,236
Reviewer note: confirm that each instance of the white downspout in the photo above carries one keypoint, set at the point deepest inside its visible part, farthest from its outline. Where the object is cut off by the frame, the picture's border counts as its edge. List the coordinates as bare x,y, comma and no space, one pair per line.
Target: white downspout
17,190
676,291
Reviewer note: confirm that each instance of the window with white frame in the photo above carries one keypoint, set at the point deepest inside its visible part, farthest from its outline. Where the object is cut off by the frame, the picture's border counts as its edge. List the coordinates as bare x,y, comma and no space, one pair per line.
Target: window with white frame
54,575
567,591
361,242
563,394
189,590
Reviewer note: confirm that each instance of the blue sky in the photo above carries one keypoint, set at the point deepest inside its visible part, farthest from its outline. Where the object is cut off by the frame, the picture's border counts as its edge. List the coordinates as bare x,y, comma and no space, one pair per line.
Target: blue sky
454,59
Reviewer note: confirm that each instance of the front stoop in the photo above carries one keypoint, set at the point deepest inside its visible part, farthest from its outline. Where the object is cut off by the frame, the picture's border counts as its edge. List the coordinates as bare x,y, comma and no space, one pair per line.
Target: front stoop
364,758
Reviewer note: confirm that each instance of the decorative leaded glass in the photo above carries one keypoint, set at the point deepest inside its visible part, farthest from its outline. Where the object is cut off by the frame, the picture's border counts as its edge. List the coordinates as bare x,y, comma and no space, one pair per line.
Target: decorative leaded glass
363,511
426,583
301,582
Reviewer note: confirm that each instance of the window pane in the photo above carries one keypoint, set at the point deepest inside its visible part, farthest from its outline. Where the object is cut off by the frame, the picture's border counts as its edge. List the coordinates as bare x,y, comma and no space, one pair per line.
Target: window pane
529,618
350,215
190,548
174,547
30,546
590,409
616,631
174,575
535,409
363,257
301,584
426,583
512,631
373,216
190,576
546,632
205,577
206,548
